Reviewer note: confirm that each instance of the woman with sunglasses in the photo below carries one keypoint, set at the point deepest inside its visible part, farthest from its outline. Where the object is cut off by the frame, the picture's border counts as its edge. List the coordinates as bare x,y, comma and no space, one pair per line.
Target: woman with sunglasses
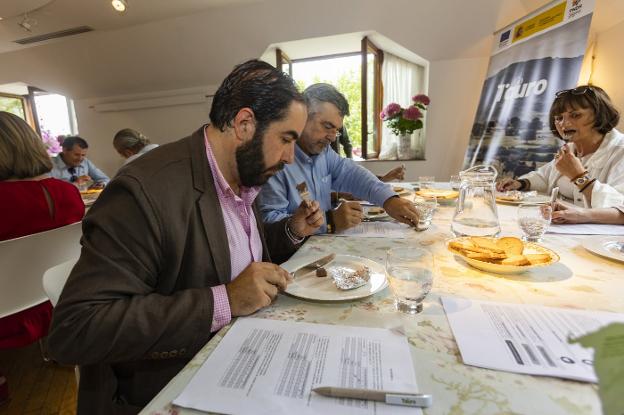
589,167
30,202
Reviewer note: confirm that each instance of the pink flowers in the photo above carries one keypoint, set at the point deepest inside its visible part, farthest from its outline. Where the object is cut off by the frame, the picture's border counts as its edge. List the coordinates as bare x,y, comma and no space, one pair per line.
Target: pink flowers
421,99
51,143
405,120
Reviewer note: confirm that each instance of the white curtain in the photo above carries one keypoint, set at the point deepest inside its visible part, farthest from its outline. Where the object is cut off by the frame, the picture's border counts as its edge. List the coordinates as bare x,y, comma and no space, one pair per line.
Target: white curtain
401,81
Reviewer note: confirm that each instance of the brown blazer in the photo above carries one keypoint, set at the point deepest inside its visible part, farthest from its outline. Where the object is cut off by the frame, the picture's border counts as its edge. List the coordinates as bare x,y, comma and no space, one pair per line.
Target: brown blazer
137,305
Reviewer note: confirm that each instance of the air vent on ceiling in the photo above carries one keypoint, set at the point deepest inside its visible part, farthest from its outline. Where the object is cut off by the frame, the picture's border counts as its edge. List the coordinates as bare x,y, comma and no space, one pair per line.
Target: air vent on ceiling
54,35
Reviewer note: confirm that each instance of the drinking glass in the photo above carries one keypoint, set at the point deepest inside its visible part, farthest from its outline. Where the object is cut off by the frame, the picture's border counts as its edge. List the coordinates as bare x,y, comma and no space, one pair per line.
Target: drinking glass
534,219
410,273
426,182
425,208
455,182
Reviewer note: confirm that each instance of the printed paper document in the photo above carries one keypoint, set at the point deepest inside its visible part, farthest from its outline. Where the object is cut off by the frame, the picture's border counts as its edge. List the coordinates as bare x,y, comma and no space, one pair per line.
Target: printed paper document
525,338
378,230
269,367
586,229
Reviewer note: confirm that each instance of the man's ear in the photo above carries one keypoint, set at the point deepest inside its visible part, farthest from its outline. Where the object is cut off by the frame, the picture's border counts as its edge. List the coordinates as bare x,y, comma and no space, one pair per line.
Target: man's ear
244,124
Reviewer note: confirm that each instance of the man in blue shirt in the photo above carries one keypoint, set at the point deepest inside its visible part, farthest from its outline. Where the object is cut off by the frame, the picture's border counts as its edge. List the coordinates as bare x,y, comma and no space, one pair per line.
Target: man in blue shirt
323,170
73,166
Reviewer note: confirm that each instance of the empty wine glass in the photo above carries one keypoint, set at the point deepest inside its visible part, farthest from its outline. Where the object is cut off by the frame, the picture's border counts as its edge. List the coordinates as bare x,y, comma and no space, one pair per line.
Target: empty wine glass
455,182
410,273
534,219
426,182
426,208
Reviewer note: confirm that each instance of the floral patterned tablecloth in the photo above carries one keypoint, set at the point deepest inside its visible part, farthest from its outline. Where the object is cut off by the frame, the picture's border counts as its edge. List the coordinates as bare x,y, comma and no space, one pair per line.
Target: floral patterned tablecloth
580,280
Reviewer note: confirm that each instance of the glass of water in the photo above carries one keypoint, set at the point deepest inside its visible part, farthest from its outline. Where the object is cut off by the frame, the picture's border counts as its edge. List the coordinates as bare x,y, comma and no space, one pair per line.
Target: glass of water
455,182
426,182
410,273
534,219
426,208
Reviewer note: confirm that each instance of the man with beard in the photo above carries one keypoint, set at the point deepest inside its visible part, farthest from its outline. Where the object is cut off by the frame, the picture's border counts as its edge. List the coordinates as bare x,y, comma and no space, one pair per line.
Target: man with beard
173,248
323,170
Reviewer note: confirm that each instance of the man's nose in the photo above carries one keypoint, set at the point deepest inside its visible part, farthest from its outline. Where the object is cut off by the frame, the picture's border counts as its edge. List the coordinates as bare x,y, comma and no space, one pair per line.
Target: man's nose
289,154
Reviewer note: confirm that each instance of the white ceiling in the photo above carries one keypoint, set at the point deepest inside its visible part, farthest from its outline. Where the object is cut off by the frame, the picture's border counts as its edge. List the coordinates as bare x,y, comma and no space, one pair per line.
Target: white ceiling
55,15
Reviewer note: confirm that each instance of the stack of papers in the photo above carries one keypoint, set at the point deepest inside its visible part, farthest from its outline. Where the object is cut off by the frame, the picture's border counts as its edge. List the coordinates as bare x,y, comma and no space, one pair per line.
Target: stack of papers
269,367
586,229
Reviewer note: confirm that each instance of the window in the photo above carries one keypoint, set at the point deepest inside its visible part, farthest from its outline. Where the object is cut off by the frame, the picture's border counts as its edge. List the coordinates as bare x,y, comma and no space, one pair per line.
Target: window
54,114
13,104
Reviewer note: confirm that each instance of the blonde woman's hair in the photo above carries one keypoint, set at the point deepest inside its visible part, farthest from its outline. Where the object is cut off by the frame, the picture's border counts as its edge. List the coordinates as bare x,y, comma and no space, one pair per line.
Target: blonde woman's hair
129,139
22,153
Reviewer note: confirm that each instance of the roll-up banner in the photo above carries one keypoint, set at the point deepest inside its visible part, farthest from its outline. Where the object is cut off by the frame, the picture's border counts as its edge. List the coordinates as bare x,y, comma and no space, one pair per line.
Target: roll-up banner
532,59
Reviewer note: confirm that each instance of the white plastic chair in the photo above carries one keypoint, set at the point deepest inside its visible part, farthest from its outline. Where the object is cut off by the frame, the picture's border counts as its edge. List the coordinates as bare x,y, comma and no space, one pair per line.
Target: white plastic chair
54,279
24,260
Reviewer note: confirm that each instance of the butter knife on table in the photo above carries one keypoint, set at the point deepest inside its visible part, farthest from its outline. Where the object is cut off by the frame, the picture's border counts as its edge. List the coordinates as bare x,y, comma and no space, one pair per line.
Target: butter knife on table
312,266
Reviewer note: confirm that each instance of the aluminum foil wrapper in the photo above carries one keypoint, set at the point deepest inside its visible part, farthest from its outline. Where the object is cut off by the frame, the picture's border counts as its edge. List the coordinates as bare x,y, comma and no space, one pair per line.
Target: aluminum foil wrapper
348,279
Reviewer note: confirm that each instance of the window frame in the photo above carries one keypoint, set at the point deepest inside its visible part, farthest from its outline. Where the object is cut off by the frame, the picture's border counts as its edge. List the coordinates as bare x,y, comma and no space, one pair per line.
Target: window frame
368,47
282,59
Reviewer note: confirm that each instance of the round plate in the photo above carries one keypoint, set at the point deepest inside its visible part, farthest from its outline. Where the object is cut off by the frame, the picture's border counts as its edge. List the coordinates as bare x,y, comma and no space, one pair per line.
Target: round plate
311,287
529,248
438,193
605,246
369,212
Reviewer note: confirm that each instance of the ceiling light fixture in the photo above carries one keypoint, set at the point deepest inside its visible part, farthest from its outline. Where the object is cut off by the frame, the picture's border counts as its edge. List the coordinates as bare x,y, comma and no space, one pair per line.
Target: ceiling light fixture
120,5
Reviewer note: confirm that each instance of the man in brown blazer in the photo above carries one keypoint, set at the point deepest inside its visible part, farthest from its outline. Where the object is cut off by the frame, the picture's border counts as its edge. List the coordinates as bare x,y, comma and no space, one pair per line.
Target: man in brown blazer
173,248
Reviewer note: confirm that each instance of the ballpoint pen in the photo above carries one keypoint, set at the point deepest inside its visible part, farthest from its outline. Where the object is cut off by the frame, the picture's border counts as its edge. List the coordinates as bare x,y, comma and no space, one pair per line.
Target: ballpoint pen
553,197
419,400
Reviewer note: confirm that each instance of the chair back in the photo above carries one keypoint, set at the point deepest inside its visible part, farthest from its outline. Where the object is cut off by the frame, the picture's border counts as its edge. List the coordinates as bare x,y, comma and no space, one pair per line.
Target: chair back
24,260
54,279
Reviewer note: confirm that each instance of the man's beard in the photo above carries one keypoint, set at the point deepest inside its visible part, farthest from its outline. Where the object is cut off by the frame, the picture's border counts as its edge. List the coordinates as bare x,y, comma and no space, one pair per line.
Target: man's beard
250,161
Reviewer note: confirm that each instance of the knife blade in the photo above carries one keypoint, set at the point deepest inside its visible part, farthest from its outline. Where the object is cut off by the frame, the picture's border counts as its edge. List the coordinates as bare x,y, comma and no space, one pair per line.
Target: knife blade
314,265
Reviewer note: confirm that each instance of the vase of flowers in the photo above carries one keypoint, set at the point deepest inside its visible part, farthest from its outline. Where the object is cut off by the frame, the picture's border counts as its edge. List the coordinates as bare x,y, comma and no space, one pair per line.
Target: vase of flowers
51,143
404,121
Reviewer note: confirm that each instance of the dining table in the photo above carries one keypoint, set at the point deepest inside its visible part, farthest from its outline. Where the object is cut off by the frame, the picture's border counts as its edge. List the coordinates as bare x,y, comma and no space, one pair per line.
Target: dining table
579,280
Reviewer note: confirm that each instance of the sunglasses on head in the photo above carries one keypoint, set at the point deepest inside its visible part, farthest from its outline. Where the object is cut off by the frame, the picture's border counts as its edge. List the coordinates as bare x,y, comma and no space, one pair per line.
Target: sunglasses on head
579,90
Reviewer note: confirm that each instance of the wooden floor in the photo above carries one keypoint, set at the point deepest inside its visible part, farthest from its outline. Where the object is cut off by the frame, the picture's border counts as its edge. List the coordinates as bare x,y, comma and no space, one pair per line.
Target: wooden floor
36,387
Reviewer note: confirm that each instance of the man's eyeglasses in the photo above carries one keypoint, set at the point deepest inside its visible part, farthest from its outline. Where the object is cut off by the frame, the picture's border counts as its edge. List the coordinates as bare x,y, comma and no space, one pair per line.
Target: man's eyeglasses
72,171
580,90
332,129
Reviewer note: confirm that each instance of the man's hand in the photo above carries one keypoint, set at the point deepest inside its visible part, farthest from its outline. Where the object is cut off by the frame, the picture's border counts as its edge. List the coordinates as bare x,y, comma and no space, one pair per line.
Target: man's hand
402,210
307,218
347,215
256,287
398,173
568,164
508,184
569,214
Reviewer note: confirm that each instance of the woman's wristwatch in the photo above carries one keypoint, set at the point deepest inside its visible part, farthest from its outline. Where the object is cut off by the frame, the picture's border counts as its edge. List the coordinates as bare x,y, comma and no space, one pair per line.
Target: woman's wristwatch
583,181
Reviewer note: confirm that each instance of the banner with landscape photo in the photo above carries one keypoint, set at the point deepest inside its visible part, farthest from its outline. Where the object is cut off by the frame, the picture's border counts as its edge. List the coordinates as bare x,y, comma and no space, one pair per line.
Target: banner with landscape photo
532,60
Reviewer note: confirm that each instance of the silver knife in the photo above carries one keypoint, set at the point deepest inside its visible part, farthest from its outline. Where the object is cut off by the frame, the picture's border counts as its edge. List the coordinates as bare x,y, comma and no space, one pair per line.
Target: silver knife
314,265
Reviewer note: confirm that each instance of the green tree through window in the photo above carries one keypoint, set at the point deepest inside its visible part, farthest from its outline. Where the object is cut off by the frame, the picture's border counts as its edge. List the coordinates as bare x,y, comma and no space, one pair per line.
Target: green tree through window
12,105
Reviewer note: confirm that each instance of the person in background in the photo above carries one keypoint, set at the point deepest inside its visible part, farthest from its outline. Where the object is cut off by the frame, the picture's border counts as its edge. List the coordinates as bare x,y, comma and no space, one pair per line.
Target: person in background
30,202
342,139
564,213
589,167
73,166
131,144
175,248
397,173
322,170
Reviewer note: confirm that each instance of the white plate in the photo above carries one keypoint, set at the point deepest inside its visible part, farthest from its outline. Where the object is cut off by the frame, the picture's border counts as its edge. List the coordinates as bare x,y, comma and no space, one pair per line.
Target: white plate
605,246
311,287
369,215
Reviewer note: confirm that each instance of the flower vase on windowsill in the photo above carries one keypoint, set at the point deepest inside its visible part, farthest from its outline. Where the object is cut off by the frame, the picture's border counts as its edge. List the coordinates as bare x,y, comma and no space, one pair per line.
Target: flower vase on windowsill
404,122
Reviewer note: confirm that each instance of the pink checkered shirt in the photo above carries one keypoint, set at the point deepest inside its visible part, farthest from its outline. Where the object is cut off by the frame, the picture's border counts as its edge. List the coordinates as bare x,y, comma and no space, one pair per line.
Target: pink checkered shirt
242,233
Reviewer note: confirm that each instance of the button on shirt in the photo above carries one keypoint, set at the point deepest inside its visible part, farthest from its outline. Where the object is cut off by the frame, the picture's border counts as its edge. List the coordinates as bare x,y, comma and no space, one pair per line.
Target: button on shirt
322,173
60,170
242,232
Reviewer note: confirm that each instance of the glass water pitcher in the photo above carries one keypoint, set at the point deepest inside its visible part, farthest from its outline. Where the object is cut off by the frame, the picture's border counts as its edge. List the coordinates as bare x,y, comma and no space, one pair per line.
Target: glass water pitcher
476,214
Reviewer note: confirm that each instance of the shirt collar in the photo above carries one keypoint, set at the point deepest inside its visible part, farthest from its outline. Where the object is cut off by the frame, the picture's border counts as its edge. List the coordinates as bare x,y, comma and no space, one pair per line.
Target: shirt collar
247,194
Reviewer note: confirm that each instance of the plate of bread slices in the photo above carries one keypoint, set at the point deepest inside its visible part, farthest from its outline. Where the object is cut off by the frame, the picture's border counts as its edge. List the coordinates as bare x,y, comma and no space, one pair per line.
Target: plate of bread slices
506,255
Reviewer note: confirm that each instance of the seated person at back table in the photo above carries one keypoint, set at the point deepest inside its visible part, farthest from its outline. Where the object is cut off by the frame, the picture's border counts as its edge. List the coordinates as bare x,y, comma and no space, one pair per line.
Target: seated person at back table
131,144
565,213
322,170
72,164
30,202
589,167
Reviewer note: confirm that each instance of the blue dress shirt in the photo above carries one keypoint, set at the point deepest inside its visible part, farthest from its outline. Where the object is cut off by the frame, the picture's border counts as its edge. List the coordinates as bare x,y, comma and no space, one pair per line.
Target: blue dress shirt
322,173
60,170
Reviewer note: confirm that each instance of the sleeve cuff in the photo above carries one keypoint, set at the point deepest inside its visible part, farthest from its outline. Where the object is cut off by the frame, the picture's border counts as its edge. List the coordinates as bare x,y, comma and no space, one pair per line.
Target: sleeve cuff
221,314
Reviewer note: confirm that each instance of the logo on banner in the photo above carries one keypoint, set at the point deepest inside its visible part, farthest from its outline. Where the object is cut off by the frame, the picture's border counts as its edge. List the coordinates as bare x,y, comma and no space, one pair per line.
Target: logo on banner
504,39
520,90
577,7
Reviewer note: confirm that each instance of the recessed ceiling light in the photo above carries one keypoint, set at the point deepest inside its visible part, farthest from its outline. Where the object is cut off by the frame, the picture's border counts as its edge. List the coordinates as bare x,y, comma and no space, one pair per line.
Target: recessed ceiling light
120,5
